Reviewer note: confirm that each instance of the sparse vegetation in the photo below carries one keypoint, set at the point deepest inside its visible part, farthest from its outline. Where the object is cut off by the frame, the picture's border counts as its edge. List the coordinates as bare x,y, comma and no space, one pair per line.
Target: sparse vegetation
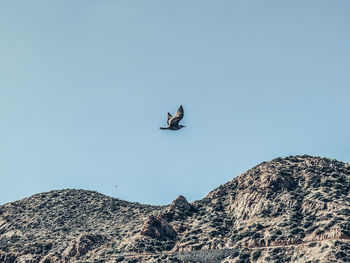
287,201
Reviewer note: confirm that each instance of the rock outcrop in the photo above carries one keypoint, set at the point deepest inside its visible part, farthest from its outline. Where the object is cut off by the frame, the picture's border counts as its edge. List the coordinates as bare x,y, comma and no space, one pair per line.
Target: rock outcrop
292,209
84,244
156,227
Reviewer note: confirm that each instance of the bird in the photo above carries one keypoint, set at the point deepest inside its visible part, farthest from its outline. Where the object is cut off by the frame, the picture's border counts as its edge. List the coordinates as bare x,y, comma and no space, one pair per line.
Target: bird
173,122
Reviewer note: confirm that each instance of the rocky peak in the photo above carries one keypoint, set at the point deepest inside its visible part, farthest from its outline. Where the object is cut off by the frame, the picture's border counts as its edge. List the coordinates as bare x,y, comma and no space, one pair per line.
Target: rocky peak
180,203
178,210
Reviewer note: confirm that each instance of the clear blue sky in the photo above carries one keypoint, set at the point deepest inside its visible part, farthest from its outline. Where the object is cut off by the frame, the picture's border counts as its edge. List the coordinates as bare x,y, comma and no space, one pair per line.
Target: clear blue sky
85,85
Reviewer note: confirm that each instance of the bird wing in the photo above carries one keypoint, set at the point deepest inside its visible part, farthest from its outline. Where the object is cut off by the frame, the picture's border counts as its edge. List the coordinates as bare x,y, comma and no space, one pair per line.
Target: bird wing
169,118
177,117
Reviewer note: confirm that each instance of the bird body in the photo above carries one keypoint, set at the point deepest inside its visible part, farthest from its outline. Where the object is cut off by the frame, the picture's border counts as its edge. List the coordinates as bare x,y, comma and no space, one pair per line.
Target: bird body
173,122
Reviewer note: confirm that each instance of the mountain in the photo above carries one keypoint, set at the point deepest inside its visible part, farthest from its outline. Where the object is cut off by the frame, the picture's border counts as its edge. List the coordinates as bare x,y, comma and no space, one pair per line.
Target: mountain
292,209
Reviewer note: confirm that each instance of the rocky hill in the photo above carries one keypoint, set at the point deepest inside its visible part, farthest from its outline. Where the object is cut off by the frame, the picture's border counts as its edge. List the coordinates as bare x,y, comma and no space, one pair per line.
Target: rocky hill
293,209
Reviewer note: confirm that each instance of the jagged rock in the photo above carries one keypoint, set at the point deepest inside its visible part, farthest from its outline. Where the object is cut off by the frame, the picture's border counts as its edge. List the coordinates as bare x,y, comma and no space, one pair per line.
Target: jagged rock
292,209
180,203
82,245
156,227
178,210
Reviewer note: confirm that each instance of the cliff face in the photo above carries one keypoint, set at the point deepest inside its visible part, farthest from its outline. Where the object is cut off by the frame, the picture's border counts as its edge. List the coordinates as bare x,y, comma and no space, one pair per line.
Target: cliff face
293,209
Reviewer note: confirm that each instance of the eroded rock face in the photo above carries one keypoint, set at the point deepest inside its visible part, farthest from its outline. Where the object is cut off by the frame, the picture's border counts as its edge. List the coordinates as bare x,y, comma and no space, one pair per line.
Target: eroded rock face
180,203
83,244
156,227
178,210
292,209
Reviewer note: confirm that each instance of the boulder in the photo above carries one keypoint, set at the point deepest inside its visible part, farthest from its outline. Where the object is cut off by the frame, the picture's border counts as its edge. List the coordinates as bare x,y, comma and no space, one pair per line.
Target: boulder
178,210
158,228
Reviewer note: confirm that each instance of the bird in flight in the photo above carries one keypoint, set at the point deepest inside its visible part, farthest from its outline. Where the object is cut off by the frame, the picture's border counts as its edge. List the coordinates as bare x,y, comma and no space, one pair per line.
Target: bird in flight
173,122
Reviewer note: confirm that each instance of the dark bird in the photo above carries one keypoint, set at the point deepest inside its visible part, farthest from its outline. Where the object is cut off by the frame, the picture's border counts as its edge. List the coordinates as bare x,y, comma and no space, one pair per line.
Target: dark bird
173,122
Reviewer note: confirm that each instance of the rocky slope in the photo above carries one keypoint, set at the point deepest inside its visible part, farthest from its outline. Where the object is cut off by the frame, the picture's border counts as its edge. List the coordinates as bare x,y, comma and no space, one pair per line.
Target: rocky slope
293,209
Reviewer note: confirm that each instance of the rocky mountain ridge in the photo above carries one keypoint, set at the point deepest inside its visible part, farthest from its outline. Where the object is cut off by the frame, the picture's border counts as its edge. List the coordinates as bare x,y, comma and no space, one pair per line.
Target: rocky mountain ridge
292,209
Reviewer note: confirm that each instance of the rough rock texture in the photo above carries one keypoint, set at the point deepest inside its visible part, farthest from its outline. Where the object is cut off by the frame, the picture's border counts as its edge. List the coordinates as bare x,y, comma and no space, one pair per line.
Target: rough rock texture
158,228
292,209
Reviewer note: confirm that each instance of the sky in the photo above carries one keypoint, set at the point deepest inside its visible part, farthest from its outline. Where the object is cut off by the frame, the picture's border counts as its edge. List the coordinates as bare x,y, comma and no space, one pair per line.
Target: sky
85,86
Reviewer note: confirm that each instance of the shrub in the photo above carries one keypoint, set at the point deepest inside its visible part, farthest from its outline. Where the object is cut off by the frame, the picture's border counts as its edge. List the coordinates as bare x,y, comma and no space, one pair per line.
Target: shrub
327,216
330,224
341,255
307,224
259,226
319,232
296,231
278,232
257,235
256,255
311,229
312,244
244,255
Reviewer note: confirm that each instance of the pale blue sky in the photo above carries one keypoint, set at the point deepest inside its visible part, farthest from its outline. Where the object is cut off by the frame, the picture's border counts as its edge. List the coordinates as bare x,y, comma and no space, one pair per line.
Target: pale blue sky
85,85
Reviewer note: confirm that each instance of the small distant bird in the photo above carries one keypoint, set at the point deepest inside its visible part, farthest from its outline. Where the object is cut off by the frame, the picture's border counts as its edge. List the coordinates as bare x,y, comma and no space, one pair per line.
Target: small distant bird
173,122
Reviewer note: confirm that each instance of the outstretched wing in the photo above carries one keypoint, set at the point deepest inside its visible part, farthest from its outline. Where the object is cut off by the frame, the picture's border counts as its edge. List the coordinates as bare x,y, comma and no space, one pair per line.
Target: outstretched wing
169,118
177,117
